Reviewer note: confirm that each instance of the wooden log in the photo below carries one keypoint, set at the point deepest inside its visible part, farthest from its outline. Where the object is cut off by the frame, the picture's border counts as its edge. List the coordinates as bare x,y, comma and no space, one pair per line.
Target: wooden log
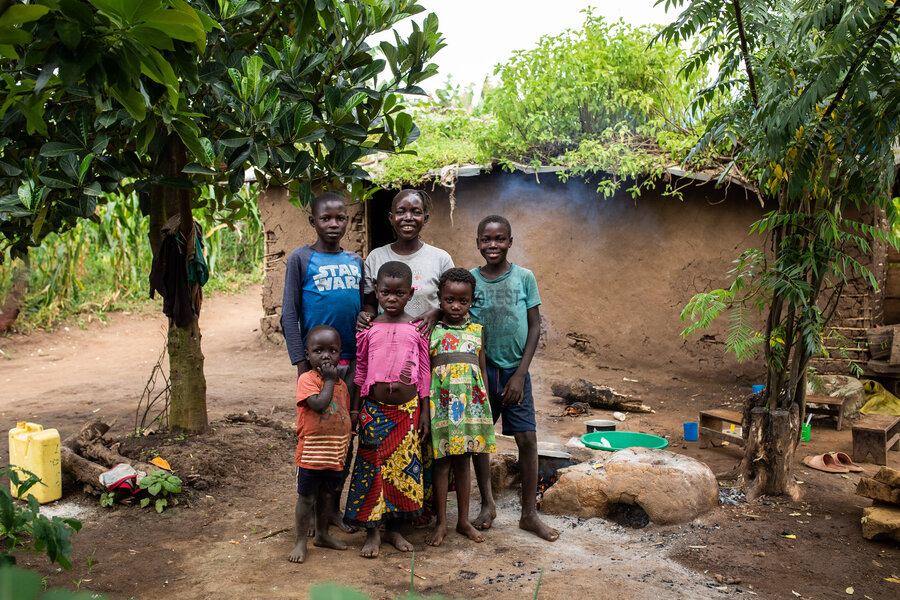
598,396
869,488
83,470
111,458
254,419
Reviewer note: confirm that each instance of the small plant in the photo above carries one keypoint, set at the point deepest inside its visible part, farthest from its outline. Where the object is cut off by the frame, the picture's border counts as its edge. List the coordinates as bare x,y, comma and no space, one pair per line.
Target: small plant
107,499
161,486
90,561
24,528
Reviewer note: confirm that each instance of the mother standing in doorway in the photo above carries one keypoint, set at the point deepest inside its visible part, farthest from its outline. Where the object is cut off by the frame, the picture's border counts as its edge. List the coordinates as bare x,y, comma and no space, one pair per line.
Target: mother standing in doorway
409,212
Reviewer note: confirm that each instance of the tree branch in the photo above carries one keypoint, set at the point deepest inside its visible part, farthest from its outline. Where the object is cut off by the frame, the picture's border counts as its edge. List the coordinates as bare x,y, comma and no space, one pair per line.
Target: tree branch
745,52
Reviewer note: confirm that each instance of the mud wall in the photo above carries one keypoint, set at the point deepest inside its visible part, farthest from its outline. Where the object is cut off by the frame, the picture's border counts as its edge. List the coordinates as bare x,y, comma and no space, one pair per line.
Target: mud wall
614,274
287,227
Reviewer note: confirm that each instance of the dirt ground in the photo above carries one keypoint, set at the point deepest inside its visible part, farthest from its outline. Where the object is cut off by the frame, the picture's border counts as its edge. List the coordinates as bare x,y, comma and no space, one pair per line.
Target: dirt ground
217,542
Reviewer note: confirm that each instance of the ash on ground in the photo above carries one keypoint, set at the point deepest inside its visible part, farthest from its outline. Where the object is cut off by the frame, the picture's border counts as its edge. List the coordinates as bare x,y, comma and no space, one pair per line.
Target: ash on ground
732,496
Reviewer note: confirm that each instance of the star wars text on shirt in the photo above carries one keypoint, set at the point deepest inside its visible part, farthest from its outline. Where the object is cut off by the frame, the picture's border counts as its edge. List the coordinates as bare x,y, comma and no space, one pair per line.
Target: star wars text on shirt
337,277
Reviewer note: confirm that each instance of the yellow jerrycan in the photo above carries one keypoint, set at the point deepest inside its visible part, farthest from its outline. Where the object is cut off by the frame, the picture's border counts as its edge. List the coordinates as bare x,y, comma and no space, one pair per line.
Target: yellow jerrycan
35,449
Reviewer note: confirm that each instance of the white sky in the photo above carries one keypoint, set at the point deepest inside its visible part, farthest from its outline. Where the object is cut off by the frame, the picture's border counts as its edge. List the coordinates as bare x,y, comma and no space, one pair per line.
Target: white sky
480,34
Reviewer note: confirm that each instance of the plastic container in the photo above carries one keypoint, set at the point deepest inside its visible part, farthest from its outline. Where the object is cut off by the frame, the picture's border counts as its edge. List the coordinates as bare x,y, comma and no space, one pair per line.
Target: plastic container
805,432
691,431
619,440
600,425
35,449
758,388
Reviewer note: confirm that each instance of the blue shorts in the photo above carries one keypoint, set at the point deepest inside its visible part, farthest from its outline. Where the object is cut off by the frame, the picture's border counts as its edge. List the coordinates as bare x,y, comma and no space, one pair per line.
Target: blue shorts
310,480
519,417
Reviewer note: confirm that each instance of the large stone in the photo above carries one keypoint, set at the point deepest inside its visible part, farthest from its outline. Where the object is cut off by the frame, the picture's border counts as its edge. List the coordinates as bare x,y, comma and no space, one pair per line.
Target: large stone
888,476
881,522
671,488
840,386
869,488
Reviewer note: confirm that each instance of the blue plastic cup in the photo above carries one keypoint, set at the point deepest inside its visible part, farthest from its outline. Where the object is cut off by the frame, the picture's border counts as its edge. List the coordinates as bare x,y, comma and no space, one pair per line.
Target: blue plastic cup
758,388
691,431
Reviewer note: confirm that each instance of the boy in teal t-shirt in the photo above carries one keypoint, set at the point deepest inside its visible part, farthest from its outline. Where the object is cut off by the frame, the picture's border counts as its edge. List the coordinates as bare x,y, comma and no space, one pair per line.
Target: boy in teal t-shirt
507,306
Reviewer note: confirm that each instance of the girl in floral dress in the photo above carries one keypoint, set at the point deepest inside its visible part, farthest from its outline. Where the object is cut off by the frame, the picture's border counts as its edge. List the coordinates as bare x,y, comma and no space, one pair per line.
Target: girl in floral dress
461,422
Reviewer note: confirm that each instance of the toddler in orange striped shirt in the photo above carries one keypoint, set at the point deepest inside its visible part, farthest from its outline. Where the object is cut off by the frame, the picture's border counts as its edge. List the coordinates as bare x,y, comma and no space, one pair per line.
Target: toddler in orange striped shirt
323,436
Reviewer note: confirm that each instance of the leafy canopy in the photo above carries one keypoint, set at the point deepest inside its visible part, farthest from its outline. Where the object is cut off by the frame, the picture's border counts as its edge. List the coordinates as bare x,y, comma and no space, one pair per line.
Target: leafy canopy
96,95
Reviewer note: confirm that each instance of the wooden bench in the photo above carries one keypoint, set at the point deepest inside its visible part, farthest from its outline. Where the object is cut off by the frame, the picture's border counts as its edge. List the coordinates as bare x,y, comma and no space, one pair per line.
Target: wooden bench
711,422
875,434
828,406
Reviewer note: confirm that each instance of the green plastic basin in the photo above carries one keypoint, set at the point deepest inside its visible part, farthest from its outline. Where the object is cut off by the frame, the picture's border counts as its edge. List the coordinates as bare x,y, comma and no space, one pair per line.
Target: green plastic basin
619,440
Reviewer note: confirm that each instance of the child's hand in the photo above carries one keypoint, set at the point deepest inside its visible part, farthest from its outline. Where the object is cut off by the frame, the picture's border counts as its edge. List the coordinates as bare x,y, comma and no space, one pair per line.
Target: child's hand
512,393
364,320
426,322
424,425
328,371
354,422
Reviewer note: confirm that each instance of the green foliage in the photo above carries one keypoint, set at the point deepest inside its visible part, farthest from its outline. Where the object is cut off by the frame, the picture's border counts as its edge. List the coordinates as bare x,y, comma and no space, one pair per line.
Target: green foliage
18,584
448,136
121,89
79,82
594,100
107,499
813,114
102,264
24,528
161,486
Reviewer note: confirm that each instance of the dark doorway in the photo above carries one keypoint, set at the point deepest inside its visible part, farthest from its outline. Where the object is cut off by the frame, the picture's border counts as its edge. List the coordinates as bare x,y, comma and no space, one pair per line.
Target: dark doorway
380,231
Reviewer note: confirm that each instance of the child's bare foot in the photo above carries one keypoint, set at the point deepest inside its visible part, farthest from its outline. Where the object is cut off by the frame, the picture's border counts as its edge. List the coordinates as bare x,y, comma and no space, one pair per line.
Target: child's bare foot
298,554
337,519
398,541
372,545
326,541
533,524
469,531
437,535
485,518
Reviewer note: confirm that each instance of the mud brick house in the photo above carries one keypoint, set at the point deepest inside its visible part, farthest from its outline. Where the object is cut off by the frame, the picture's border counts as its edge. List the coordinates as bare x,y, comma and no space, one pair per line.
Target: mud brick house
614,273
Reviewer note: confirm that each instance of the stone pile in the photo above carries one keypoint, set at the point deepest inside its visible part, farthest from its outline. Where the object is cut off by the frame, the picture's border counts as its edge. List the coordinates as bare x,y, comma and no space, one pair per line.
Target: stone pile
882,519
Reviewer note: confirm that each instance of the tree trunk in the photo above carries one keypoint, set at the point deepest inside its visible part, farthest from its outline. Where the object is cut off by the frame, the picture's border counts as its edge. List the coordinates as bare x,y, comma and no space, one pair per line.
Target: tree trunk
187,407
769,453
187,404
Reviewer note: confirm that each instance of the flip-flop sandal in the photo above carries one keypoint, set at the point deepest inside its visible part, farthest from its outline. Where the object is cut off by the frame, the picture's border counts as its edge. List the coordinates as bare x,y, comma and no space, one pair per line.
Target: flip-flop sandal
824,462
844,460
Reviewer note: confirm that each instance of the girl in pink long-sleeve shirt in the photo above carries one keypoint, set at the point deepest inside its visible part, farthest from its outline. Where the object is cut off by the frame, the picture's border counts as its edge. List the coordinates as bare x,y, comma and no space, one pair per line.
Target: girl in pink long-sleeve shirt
393,376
